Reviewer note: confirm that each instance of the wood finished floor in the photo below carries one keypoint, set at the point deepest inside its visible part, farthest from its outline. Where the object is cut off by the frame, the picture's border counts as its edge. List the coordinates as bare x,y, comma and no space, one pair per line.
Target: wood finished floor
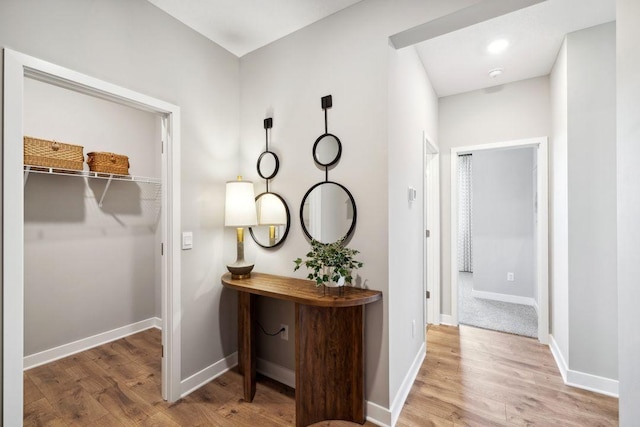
471,377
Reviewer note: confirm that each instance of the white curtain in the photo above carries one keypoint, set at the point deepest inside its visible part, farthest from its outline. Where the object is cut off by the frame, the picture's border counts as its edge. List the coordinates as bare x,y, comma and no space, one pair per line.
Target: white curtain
465,210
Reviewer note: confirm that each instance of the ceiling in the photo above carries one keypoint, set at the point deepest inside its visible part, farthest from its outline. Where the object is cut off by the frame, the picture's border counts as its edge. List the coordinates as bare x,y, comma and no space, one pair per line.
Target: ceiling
242,26
456,62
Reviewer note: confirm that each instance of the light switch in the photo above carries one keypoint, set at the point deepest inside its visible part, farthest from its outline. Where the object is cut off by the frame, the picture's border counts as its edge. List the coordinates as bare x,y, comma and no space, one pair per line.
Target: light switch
187,240
412,194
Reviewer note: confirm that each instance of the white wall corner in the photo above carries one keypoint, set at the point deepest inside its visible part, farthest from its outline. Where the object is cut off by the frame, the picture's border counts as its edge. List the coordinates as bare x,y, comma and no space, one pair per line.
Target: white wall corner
579,379
157,323
447,319
65,350
400,398
276,372
208,374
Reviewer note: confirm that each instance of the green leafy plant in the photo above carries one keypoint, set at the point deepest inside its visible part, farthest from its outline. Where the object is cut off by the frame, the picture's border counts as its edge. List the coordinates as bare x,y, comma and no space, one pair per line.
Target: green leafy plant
329,262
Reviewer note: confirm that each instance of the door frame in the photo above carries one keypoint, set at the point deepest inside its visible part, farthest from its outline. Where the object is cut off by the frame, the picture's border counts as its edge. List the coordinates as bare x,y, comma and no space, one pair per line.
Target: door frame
17,67
542,232
431,197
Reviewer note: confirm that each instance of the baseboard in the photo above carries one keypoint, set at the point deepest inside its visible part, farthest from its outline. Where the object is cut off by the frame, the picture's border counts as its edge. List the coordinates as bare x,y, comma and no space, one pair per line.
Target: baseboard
65,350
535,306
208,374
559,358
582,380
276,372
494,296
407,383
378,415
447,319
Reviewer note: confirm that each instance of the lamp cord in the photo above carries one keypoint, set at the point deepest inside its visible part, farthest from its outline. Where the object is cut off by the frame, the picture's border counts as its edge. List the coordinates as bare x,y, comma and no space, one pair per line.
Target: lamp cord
267,333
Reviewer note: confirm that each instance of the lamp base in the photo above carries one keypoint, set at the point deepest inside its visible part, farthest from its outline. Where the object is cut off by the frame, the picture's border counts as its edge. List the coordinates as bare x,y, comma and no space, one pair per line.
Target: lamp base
240,271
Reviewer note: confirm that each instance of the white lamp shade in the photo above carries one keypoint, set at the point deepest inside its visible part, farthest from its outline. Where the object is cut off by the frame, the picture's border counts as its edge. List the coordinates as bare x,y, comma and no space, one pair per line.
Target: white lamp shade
271,210
240,205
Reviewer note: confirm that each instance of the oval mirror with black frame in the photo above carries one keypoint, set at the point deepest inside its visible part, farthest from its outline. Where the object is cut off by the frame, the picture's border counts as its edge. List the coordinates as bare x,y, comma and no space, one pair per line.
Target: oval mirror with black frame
273,220
328,212
268,165
327,150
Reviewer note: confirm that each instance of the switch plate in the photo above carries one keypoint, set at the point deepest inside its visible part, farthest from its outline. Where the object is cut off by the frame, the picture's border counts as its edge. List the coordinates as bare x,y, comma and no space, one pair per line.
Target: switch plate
510,277
412,194
187,240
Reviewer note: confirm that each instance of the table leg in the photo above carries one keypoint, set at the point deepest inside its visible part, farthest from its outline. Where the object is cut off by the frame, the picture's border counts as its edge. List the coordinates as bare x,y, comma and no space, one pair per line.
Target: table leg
329,364
246,343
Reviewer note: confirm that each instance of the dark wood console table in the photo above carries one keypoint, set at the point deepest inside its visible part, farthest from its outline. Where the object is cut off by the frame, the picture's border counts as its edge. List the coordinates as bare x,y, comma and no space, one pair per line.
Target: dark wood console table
329,344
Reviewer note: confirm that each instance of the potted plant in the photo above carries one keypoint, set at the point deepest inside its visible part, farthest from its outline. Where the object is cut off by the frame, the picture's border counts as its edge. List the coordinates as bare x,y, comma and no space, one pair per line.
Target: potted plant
330,262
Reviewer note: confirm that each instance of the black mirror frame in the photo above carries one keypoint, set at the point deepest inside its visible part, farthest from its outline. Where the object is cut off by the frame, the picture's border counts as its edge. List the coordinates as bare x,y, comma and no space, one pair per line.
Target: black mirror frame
286,230
315,149
275,170
353,203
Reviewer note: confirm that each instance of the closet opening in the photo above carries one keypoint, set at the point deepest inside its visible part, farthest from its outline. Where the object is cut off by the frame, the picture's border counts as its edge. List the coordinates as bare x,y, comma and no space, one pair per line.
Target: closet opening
88,258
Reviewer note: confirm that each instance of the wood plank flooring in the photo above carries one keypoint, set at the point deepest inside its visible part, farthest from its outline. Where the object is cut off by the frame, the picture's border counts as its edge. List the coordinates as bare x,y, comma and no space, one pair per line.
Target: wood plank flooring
471,377
477,377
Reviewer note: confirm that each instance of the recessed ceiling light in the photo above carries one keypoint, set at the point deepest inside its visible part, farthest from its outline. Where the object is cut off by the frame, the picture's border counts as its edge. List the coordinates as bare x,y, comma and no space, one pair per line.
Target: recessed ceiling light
497,46
495,72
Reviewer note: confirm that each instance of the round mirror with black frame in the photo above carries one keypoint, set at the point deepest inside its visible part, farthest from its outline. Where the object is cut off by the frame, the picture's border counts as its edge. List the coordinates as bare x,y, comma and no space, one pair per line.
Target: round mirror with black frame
328,210
274,218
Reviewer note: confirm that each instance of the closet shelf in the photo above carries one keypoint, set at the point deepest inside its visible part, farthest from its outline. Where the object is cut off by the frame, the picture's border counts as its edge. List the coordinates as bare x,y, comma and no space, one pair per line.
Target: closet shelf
88,174
28,169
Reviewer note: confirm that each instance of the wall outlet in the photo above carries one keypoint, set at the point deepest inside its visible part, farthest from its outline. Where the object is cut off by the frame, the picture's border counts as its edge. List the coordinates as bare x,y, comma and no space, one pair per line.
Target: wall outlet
284,335
510,277
413,328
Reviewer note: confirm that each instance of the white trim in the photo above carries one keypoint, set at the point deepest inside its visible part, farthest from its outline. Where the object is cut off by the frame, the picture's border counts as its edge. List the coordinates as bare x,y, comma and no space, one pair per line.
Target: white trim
431,247
407,383
559,358
65,350
447,319
17,67
542,237
378,415
276,372
494,296
206,375
579,379
593,383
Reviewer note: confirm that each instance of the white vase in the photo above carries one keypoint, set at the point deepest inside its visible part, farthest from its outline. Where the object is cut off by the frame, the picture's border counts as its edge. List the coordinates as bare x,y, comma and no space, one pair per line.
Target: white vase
337,284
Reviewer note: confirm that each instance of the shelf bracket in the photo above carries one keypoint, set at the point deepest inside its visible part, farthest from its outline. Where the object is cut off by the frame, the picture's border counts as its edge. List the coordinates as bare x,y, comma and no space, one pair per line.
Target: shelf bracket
27,169
104,193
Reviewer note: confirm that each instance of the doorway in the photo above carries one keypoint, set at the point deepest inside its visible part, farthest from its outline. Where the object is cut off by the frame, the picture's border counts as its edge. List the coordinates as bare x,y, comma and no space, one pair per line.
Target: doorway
17,68
539,146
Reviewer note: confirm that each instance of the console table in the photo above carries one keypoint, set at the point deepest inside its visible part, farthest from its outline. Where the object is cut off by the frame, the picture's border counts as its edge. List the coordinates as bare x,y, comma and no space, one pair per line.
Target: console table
329,344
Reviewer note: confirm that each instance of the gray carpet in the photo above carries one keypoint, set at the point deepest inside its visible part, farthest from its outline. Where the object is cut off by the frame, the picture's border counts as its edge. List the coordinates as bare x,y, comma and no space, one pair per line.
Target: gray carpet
497,315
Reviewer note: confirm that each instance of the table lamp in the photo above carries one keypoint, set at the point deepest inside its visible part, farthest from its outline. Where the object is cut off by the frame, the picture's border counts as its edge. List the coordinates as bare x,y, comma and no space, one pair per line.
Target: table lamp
240,212
271,212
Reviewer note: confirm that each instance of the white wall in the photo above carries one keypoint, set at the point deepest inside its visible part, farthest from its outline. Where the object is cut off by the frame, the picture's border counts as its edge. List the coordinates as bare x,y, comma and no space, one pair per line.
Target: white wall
88,269
558,206
514,111
413,111
503,226
628,151
135,45
345,55
593,304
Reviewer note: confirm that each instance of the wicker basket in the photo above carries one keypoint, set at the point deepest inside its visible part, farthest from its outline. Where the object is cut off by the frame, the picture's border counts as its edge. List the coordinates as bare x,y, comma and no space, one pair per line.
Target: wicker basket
52,154
110,163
